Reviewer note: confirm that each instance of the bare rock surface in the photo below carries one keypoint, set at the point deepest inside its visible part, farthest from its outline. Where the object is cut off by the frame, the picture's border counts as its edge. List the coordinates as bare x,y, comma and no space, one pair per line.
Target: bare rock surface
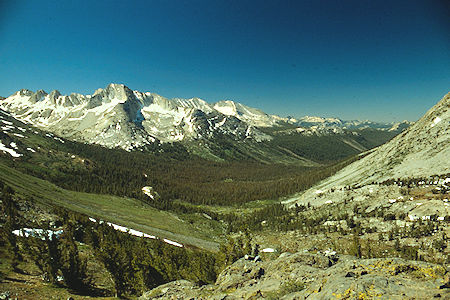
420,151
316,276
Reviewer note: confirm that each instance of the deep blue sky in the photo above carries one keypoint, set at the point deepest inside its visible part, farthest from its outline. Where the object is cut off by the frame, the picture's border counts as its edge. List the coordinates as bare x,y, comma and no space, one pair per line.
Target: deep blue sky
378,60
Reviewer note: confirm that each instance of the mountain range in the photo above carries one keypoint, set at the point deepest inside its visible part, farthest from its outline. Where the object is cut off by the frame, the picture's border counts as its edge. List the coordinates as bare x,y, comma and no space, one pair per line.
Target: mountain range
377,227
392,202
119,117
420,152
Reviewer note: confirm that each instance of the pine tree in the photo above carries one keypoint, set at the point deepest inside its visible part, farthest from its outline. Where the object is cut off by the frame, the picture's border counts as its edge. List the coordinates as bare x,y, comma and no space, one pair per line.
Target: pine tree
73,268
356,247
10,210
45,253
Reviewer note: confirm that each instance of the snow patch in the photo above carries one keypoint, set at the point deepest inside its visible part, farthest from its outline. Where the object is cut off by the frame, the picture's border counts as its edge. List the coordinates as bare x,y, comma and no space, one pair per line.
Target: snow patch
58,139
37,232
173,243
7,122
126,229
221,123
12,152
148,190
268,250
413,217
329,252
436,121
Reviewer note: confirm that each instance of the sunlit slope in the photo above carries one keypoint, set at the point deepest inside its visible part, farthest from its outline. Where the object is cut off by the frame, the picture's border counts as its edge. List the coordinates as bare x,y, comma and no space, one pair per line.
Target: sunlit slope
423,150
120,210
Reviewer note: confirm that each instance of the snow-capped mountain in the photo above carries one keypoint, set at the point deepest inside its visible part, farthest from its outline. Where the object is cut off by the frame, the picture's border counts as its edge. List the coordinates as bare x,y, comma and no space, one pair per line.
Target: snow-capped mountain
252,116
119,117
321,123
421,151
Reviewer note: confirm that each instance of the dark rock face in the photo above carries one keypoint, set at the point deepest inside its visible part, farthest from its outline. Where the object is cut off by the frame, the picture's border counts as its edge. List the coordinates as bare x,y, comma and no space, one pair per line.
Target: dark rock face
38,96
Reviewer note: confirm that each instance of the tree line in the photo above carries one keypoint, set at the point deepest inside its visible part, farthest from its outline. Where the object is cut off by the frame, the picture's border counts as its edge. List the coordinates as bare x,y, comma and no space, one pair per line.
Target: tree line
134,264
174,175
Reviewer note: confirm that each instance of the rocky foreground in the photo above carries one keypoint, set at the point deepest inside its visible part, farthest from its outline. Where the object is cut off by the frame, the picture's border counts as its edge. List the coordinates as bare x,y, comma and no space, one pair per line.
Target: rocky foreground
317,276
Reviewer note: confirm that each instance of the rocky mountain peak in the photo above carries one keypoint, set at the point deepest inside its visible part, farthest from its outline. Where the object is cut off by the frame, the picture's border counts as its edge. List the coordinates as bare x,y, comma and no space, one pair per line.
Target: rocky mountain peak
227,107
118,91
116,116
54,95
38,96
24,92
97,92
113,92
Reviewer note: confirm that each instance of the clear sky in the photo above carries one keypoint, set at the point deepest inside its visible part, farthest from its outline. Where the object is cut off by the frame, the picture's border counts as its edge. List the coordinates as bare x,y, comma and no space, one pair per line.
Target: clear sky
360,59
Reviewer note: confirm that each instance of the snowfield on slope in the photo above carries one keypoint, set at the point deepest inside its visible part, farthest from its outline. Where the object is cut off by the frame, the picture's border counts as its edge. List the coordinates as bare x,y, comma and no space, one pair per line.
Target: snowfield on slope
137,233
119,117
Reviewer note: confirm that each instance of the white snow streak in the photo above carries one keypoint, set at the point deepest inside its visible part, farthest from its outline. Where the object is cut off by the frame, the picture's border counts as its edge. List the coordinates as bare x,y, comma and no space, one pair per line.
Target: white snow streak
7,122
137,233
12,152
268,250
173,243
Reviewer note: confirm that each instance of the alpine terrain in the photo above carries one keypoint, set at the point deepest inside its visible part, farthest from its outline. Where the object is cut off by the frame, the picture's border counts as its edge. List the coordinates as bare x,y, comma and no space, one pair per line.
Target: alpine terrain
129,194
391,203
212,150
119,117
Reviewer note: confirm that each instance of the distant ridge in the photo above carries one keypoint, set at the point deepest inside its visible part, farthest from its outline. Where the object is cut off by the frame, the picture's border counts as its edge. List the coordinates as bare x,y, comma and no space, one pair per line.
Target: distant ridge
118,117
421,151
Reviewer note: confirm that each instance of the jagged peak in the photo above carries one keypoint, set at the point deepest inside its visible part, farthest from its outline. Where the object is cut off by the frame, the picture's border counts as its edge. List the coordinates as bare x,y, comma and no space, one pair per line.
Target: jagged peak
118,91
317,119
23,92
116,85
97,92
54,94
225,103
226,107
112,91
41,92
77,95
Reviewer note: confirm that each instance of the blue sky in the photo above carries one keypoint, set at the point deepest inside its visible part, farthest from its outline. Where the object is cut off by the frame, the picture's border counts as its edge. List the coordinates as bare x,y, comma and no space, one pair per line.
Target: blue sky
378,60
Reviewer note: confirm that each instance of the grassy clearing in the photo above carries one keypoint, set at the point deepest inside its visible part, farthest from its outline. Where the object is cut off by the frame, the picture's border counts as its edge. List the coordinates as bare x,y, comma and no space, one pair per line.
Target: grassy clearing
127,212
